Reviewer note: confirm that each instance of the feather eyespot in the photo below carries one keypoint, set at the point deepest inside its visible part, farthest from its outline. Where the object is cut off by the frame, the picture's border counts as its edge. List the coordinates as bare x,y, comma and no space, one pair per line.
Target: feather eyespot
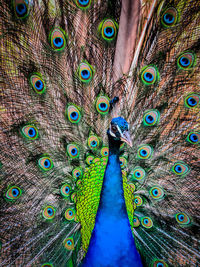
193,137
78,182
149,75
37,84
21,8
83,4
147,222
73,151
182,218
138,201
144,152
156,192
57,39
108,29
151,117
77,173
123,162
159,263
74,197
192,101
132,186
45,163
136,221
180,168
85,72
65,190
102,105
73,114
69,243
13,193
169,17
69,214
138,173
93,142
186,60
47,265
30,132
49,213
104,151
89,159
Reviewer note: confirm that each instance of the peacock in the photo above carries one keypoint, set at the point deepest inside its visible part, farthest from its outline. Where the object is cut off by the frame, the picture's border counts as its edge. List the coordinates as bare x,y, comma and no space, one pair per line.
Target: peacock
99,133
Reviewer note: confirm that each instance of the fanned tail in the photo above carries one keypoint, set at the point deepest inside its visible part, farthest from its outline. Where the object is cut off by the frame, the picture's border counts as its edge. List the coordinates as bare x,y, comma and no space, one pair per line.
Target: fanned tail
62,65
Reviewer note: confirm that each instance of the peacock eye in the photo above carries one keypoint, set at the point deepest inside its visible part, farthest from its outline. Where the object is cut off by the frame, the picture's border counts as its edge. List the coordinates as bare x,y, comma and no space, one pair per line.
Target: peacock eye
21,8
182,218
74,197
123,162
83,4
159,263
149,75
151,117
104,151
77,173
85,72
136,221
69,243
37,84
13,193
49,213
169,17
193,137
132,186
73,151
186,60
30,132
102,105
69,214
57,39
65,190
89,159
47,265
180,168
145,152
93,142
192,100
114,128
156,192
73,114
138,201
138,173
147,222
108,29
45,163
78,182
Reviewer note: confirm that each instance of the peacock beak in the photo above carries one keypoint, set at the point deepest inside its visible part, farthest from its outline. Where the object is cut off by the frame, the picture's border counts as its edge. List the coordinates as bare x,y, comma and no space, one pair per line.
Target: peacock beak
125,137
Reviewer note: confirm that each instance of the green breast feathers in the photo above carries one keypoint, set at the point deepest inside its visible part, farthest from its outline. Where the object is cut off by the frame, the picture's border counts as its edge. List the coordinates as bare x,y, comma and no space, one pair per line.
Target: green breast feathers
88,197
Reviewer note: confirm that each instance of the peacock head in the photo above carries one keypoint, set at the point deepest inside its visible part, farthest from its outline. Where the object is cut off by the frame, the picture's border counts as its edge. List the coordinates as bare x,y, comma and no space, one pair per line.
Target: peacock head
119,130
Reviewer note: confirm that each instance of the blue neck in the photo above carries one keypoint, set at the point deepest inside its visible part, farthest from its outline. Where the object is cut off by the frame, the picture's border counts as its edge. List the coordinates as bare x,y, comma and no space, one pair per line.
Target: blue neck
112,196
112,243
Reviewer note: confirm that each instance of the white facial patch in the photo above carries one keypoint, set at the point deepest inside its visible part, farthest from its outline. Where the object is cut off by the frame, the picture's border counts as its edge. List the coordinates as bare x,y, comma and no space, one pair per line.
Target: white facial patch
113,134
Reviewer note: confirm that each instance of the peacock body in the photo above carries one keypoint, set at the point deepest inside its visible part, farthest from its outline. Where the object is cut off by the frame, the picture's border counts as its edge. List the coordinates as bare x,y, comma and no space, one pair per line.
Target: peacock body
111,233
73,192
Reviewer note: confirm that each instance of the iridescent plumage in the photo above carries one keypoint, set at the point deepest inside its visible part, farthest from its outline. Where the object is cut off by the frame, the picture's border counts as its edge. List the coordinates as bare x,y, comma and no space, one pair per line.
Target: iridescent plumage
67,69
